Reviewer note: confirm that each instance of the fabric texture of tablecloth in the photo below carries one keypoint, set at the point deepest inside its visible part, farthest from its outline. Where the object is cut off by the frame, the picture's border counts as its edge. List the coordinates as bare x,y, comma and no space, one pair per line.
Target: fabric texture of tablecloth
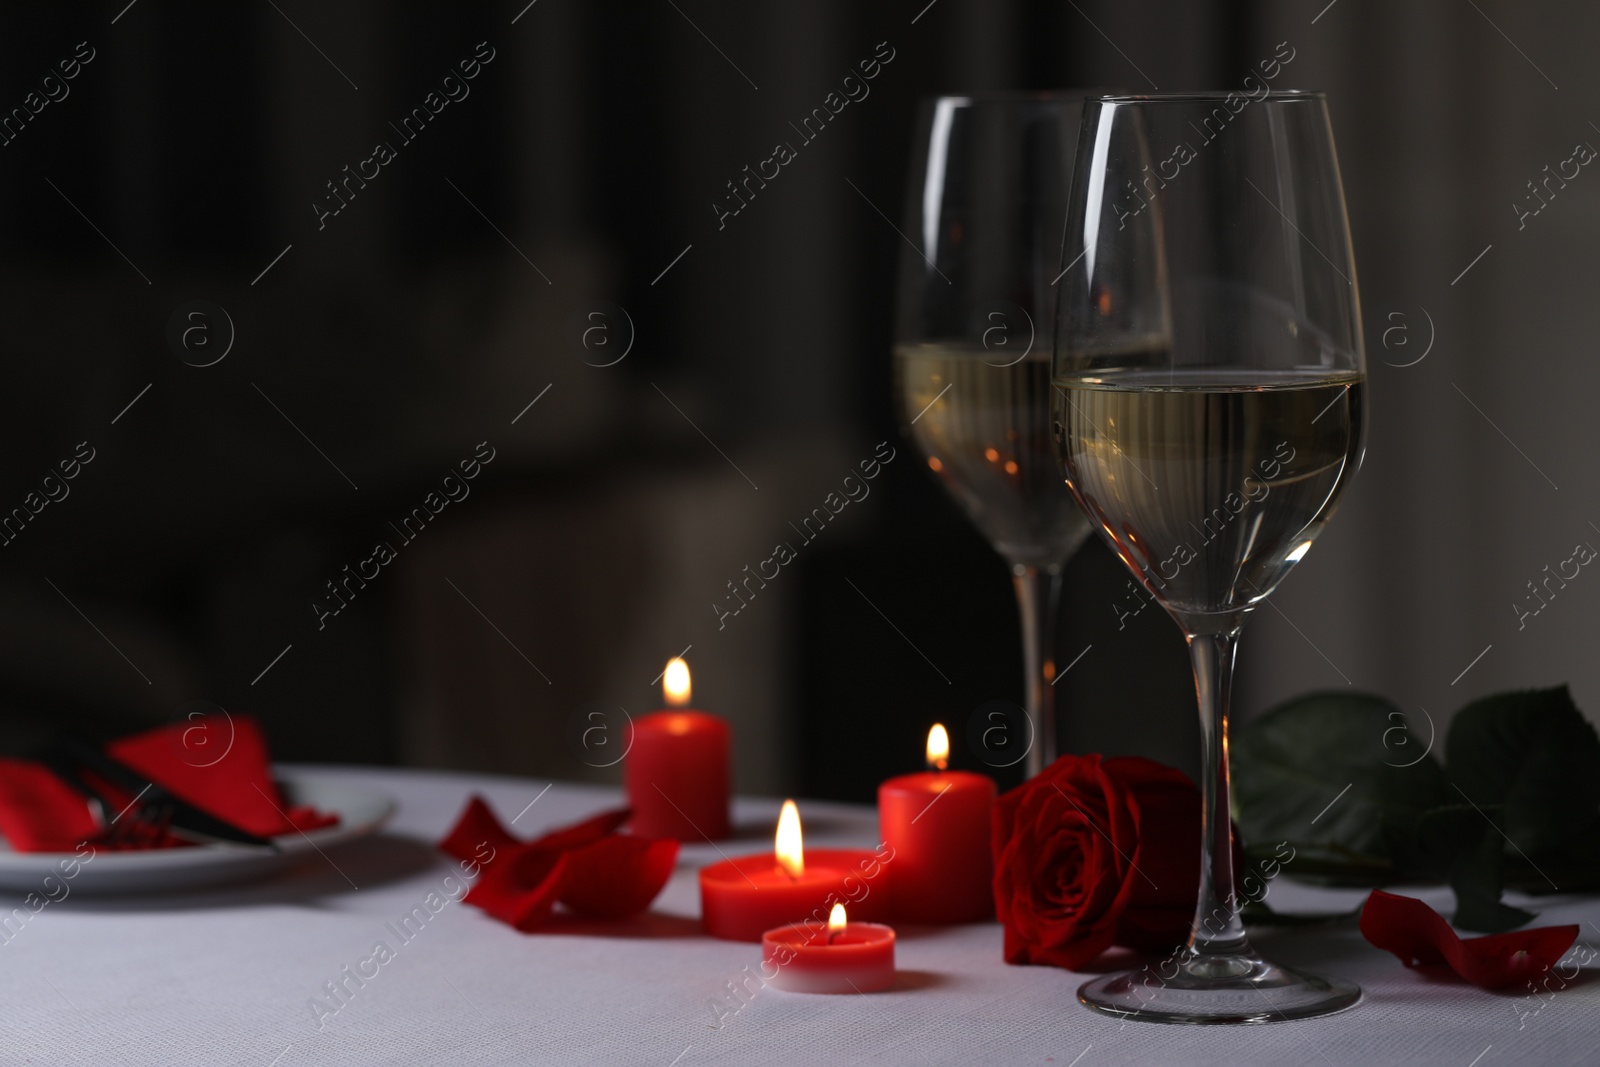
233,976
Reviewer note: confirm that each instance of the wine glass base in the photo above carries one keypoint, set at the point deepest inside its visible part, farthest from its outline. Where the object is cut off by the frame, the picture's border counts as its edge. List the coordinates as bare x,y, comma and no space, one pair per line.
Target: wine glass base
1229,989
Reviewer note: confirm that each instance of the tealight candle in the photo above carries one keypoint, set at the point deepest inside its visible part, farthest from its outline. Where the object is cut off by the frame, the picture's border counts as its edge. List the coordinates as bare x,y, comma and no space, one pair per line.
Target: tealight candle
677,768
844,957
742,898
938,824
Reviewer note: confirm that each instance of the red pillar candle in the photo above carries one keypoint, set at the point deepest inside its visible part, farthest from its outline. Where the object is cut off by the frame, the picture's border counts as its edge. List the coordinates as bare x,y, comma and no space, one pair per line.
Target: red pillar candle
677,768
742,898
938,825
841,957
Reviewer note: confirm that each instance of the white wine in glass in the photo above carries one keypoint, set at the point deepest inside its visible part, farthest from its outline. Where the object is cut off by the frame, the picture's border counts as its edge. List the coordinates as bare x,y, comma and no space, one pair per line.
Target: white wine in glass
984,427
1210,491
1210,398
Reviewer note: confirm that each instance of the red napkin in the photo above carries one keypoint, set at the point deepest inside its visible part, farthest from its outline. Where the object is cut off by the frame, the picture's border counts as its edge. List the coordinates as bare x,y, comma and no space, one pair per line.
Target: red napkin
1418,935
588,867
228,775
39,812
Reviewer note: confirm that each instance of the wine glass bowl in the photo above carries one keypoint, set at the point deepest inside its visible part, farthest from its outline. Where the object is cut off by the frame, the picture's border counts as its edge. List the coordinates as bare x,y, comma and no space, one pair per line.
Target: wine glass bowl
1209,404
984,428
1210,487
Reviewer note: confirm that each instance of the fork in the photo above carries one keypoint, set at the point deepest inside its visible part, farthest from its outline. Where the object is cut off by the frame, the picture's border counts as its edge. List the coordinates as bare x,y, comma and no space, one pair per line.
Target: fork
153,815
140,825
137,826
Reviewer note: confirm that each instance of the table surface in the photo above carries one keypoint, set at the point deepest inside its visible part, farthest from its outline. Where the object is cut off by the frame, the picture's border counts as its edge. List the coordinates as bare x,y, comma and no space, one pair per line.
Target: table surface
228,976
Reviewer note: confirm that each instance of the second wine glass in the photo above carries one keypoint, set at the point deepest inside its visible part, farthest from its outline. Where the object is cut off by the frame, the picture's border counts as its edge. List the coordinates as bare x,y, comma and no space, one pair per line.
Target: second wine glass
975,319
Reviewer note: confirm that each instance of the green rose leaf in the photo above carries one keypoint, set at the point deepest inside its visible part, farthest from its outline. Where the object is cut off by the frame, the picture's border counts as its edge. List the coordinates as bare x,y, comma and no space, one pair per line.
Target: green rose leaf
1291,765
1534,756
1574,868
1428,849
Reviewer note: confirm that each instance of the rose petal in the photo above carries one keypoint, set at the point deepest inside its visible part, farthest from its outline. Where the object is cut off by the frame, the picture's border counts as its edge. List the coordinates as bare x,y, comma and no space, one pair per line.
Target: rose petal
605,874
617,876
587,832
1166,862
1136,772
477,825
522,887
1418,935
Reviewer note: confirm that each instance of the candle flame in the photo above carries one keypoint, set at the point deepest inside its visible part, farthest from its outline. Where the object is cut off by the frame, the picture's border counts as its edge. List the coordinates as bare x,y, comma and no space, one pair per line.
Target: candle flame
836,920
938,747
675,683
791,854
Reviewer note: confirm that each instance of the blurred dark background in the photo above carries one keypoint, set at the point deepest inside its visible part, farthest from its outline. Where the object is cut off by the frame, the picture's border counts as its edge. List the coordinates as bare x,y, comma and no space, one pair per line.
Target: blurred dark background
373,350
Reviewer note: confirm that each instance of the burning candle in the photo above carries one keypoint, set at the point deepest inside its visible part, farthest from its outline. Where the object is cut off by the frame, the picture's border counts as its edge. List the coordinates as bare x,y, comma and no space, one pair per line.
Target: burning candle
938,824
842,957
742,898
677,770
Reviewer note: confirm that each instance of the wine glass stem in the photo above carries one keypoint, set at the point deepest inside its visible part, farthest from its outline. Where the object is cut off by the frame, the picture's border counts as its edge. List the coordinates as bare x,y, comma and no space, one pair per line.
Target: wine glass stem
1039,600
1218,930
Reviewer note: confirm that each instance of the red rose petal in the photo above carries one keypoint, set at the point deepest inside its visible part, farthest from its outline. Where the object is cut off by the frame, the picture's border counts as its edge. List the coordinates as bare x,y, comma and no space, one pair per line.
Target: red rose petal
522,888
587,866
1136,772
587,832
1166,860
617,876
477,825
1418,935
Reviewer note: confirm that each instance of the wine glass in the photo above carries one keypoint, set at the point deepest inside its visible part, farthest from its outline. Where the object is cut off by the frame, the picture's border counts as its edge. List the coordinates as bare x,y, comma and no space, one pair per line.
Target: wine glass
1209,392
986,203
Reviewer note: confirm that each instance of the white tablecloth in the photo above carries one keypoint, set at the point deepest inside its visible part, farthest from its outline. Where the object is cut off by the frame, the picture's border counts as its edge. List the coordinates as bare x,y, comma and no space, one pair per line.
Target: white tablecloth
227,977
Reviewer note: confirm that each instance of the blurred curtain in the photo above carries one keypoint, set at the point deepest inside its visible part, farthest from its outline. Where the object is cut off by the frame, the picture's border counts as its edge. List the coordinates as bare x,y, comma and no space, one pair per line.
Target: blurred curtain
1479,470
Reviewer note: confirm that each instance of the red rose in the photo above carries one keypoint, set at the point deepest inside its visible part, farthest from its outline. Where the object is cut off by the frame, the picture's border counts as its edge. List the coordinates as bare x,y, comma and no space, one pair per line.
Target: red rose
1093,853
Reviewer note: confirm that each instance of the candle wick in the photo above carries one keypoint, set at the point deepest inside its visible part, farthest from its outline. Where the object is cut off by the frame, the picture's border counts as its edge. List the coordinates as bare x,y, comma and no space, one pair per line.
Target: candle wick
832,934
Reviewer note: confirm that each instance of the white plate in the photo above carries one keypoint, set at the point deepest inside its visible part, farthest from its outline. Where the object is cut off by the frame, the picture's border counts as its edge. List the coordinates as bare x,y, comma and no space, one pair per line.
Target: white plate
159,870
